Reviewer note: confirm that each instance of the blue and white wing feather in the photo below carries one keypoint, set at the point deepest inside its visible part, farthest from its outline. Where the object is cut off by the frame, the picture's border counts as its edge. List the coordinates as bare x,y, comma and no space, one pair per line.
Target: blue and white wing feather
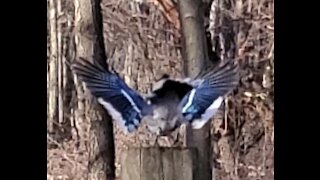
125,105
202,102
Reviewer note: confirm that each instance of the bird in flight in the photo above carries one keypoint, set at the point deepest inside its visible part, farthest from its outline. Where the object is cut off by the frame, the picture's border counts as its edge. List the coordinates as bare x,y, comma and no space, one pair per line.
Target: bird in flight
171,102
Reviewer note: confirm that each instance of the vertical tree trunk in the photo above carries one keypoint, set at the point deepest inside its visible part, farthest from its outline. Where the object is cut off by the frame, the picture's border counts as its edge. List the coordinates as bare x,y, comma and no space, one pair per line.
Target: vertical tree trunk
53,79
89,45
195,55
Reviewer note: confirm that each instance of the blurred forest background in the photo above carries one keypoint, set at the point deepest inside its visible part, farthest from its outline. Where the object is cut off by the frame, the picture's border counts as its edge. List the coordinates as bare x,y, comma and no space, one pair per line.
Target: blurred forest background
142,39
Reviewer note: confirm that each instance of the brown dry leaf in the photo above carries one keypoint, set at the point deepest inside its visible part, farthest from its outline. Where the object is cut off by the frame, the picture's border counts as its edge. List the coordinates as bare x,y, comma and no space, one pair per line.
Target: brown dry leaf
169,10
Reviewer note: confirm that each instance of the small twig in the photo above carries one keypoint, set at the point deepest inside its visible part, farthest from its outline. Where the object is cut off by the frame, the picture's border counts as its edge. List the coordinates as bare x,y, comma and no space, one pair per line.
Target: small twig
225,116
64,154
60,65
271,51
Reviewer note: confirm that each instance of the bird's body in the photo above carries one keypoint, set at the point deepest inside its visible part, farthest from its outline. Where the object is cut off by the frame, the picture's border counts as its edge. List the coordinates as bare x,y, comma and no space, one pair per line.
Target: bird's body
163,118
171,103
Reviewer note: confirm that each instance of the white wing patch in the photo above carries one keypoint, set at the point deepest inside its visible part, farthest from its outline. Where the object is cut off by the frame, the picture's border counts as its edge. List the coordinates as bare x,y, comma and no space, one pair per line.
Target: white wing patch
131,101
190,99
114,114
209,113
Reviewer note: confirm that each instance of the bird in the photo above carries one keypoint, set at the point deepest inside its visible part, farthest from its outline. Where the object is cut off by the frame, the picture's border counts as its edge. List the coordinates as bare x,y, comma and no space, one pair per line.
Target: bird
171,103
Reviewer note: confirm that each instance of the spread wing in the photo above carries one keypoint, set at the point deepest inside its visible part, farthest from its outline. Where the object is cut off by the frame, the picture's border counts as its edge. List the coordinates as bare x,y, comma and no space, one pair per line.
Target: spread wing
125,105
203,101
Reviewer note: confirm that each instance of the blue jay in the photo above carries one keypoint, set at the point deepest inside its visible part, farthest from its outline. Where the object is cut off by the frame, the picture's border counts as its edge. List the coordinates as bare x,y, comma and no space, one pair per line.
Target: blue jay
171,103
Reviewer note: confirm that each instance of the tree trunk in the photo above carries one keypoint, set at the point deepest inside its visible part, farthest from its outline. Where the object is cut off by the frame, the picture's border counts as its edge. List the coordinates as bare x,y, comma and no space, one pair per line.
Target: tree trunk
89,45
52,68
195,56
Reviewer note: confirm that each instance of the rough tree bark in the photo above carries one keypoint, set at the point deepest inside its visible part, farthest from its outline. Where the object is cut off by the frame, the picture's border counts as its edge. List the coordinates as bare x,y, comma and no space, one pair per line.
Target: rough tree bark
195,55
89,45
